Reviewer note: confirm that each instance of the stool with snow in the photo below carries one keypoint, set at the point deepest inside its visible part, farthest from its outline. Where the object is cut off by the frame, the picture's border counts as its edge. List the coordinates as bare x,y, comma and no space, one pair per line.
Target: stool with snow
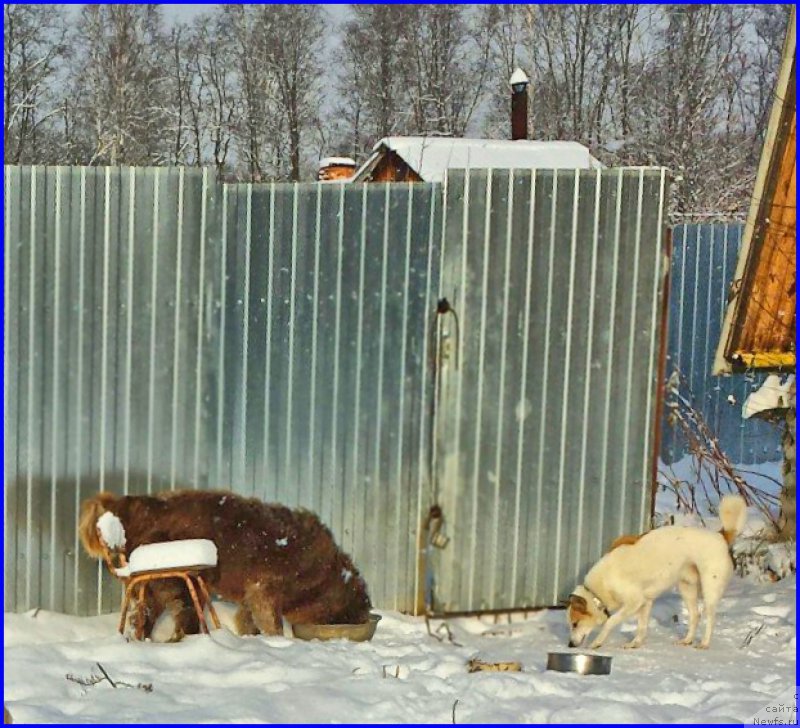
167,560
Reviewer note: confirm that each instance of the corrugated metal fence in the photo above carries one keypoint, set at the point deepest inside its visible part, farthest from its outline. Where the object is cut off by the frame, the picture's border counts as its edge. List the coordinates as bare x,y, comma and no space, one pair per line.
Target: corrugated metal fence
703,265
108,357
162,329
324,361
546,415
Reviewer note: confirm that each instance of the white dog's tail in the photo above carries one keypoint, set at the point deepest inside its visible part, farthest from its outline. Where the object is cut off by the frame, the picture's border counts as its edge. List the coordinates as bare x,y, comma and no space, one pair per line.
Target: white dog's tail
733,514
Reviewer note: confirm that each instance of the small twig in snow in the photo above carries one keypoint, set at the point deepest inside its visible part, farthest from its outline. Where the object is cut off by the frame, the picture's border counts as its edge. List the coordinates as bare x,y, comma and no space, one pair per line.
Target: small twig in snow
454,711
88,681
93,680
751,634
113,684
443,627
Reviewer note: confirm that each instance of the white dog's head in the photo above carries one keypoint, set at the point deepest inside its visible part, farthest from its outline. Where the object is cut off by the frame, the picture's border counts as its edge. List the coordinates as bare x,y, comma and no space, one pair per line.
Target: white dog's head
584,615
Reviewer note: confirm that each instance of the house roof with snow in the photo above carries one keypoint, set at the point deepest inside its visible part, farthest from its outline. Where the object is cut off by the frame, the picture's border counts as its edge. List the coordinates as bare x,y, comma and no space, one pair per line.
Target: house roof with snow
427,159
758,331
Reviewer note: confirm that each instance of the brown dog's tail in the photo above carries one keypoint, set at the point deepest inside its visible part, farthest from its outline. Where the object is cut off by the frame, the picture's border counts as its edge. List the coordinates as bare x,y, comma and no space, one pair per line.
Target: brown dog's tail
732,514
91,509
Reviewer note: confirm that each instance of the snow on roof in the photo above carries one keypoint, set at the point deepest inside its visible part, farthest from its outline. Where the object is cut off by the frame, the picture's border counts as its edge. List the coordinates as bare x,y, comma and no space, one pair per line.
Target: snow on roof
772,394
431,157
331,161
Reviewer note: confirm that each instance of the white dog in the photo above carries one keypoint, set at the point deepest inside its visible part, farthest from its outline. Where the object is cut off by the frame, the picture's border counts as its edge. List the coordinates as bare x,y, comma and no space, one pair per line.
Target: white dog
625,581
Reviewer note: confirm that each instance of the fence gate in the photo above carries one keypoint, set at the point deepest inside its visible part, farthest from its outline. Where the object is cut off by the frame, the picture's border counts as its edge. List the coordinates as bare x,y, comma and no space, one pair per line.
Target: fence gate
547,377
323,374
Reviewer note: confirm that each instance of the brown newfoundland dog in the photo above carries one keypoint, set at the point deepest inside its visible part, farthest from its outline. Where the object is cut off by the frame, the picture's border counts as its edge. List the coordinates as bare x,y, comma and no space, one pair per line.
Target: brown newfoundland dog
273,562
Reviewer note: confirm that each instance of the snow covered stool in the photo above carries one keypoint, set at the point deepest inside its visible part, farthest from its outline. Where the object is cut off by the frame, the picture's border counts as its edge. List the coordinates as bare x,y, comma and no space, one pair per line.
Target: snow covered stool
170,560
167,560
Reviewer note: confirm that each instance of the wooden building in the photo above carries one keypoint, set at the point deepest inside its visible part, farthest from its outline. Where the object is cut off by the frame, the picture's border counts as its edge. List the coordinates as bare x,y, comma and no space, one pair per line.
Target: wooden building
427,159
759,327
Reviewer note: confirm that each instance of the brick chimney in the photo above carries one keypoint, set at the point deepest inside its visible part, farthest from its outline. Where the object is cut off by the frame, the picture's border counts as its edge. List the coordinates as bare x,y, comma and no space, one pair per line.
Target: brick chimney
519,83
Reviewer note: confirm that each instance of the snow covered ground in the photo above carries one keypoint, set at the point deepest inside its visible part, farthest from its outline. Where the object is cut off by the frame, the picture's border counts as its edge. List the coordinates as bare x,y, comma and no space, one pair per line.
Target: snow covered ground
405,675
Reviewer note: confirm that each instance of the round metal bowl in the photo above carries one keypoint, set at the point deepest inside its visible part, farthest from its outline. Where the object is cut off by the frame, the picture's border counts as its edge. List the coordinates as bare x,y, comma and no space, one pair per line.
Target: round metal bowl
353,632
579,662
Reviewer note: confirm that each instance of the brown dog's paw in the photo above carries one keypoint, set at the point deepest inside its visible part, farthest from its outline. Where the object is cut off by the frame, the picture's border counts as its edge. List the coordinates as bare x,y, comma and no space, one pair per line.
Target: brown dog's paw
177,636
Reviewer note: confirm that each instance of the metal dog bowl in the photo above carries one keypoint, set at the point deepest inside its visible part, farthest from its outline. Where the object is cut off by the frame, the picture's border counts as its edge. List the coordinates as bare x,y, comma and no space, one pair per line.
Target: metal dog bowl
579,662
353,632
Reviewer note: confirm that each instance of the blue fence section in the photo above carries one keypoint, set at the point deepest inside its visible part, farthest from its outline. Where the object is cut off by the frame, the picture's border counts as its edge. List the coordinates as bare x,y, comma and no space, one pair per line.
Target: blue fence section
703,265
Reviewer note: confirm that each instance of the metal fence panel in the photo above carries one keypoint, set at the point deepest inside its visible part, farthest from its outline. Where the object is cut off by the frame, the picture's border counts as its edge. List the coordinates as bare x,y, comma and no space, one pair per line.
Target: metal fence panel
546,416
325,372
163,329
105,342
703,265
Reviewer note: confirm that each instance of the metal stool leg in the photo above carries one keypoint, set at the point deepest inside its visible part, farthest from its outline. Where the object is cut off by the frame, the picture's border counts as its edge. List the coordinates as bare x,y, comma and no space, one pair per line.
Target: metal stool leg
200,616
124,611
140,610
202,584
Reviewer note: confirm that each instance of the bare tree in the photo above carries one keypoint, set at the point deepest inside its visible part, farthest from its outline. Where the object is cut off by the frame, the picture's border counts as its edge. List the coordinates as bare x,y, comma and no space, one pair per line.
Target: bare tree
769,23
685,86
277,51
347,120
687,119
571,52
257,130
505,26
34,48
291,42
448,54
120,83
372,85
674,85
212,101
178,82
582,61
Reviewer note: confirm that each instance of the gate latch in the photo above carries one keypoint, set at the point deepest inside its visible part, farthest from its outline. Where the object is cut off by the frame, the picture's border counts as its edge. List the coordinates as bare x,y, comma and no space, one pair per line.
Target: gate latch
434,523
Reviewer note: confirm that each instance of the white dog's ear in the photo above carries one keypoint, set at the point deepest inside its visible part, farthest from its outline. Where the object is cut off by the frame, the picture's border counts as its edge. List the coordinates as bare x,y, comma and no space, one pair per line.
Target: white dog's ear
578,603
